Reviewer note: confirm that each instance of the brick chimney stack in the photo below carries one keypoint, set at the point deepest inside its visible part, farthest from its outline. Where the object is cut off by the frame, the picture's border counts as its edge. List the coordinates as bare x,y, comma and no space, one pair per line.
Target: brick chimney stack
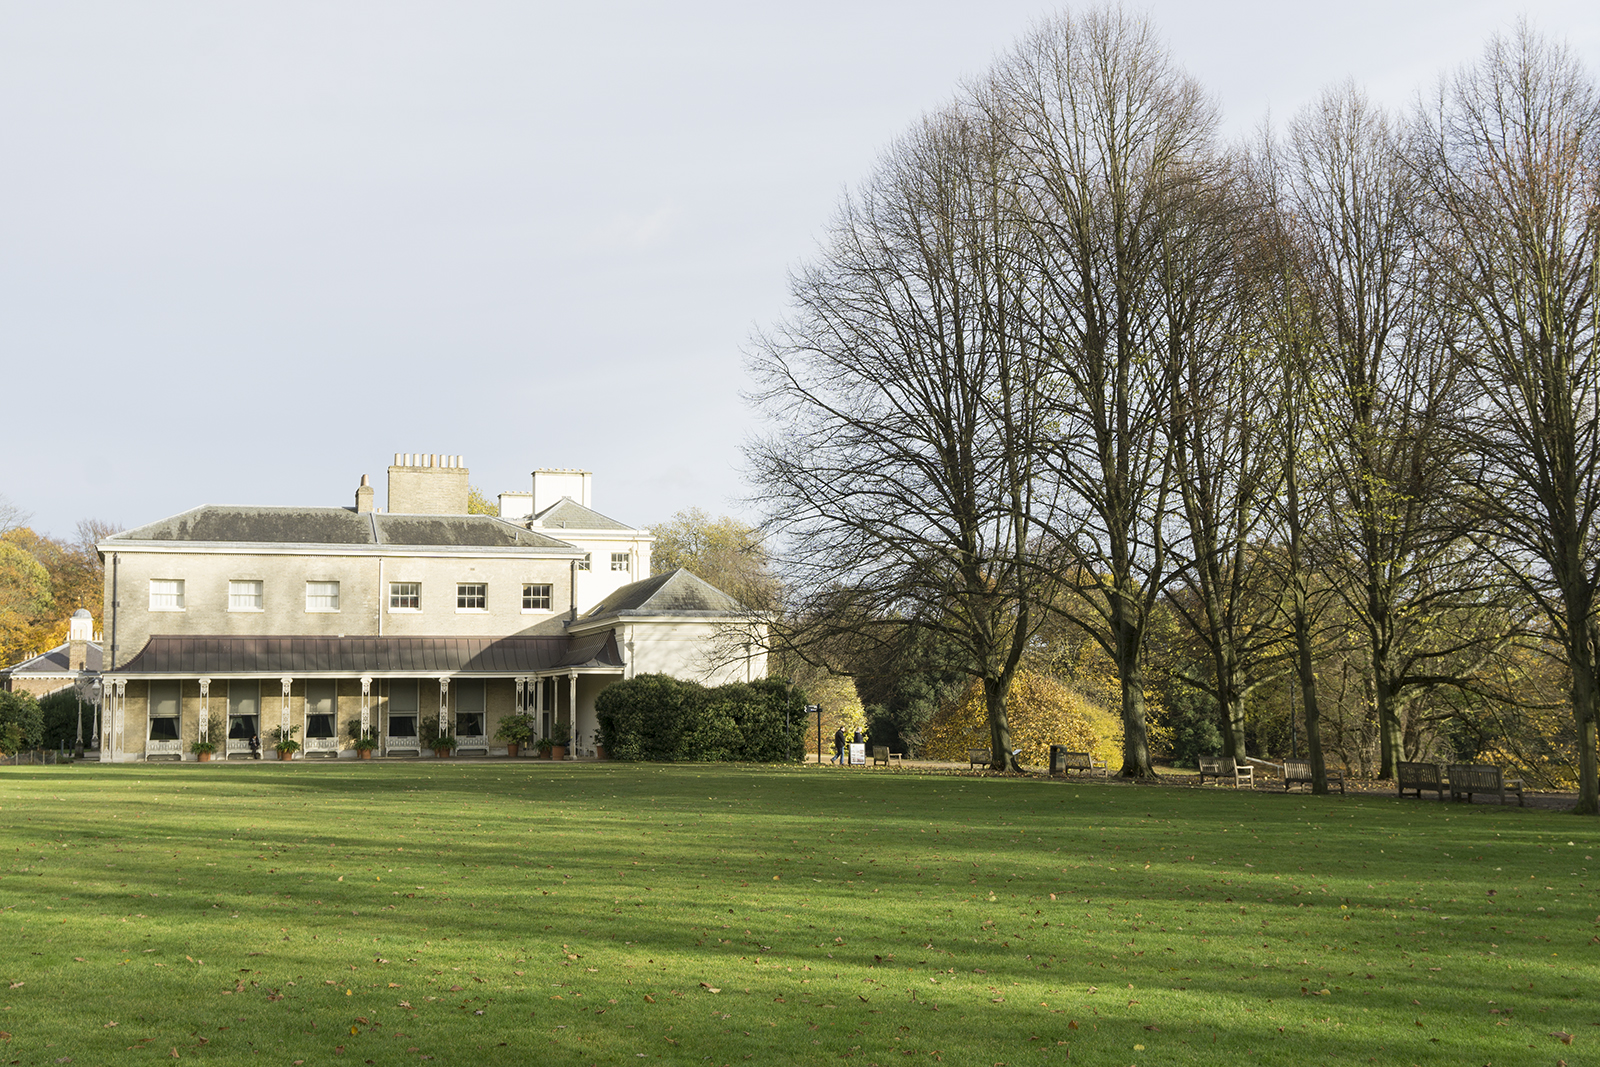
364,495
427,485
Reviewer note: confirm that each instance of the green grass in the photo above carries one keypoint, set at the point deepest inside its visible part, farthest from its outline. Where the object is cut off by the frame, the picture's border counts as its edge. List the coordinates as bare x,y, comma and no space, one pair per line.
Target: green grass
513,912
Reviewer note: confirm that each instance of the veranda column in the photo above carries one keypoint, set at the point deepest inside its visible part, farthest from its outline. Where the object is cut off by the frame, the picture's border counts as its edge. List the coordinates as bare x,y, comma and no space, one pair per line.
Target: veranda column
283,716
117,719
204,725
444,706
366,705
572,709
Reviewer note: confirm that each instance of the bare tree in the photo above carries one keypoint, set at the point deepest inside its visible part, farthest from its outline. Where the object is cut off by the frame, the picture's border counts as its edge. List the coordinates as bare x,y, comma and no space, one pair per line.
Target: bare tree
1287,317
900,471
12,516
1227,442
1510,152
1115,184
1384,385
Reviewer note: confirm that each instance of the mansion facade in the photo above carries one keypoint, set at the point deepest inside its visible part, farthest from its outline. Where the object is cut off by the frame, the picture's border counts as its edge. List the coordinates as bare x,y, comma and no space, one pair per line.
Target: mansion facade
229,623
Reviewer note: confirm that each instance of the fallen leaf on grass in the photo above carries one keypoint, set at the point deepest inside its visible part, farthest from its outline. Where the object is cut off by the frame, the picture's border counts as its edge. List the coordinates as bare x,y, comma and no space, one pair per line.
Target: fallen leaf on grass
1562,1036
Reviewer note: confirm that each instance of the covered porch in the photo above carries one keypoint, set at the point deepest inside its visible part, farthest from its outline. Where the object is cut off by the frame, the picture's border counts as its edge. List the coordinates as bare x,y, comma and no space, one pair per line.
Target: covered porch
326,693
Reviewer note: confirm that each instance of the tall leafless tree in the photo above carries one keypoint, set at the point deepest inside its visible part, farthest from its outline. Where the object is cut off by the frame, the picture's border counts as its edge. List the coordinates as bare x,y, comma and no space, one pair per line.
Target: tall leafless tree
1115,181
900,471
1228,443
1383,385
1510,151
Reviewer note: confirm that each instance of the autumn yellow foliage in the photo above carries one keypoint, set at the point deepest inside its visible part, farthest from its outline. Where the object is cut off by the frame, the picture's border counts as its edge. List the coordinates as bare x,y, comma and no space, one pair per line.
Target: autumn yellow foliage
1041,711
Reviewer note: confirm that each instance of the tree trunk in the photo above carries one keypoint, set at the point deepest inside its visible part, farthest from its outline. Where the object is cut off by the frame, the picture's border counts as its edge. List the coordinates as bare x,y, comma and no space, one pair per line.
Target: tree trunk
1229,701
1391,739
1305,667
1580,652
995,691
1135,735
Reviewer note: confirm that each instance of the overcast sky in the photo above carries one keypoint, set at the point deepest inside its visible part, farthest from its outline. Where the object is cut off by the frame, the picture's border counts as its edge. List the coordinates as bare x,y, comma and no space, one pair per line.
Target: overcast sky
248,251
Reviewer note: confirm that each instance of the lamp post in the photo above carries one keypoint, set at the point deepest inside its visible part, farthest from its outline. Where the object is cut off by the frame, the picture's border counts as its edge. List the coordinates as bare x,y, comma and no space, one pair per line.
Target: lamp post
86,687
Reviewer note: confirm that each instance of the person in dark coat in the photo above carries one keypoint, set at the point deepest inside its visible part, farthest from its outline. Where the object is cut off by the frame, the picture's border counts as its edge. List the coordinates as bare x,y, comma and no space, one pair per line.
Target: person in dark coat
838,746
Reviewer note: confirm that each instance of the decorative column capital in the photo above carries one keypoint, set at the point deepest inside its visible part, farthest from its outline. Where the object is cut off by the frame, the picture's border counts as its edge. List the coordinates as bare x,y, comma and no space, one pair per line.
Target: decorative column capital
205,687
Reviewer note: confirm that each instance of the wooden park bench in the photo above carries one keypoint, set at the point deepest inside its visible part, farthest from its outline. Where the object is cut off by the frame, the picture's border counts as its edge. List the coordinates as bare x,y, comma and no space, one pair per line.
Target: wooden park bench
979,757
1065,762
1298,772
1417,777
881,756
1220,767
1469,778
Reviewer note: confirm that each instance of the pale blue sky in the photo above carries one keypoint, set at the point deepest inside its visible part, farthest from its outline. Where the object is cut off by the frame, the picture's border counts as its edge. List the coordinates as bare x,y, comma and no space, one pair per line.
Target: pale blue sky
248,251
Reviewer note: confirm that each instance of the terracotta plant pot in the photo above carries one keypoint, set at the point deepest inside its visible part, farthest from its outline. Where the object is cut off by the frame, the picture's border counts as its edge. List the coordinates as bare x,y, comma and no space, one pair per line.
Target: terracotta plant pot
600,752
204,757
286,755
363,753
511,748
441,753
558,751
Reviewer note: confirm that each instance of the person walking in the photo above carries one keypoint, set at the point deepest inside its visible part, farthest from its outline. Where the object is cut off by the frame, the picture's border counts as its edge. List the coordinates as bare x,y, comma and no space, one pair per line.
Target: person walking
838,746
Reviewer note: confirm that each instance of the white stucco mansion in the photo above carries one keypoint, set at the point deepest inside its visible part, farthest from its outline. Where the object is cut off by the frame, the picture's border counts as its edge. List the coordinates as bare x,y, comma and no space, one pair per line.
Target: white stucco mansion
228,621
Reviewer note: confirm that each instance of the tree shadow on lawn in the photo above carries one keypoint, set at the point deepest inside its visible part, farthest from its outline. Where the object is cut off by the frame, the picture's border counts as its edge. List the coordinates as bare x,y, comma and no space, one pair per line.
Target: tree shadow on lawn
985,939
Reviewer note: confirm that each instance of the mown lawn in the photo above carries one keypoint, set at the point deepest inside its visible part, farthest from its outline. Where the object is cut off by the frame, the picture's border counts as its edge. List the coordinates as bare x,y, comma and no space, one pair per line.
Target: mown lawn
514,912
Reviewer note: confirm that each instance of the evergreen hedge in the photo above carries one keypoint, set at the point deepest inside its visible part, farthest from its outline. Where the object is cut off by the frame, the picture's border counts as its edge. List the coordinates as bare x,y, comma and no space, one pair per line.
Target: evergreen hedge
660,719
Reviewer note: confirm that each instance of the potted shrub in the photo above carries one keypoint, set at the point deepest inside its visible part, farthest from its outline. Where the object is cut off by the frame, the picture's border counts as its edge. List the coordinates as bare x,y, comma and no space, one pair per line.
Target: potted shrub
283,742
544,746
362,741
203,749
560,735
441,741
514,730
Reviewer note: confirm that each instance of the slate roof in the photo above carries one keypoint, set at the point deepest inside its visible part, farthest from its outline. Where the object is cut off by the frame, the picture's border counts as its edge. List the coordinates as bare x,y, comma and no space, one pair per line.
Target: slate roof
55,662
679,592
568,514
300,656
218,523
